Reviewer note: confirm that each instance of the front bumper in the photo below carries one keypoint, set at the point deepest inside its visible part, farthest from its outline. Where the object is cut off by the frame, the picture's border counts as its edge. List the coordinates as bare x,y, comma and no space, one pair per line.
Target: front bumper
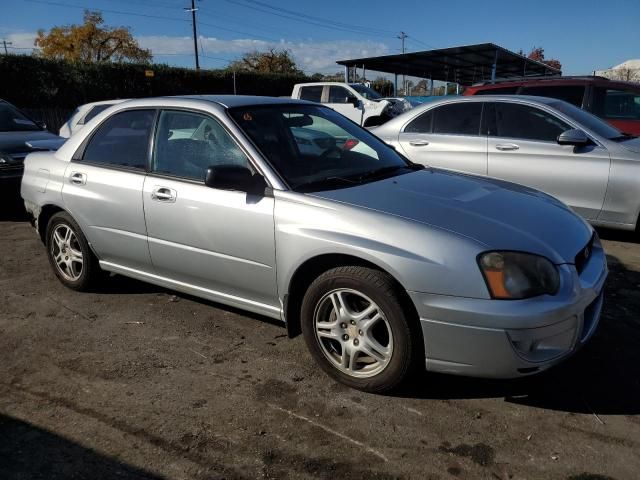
507,339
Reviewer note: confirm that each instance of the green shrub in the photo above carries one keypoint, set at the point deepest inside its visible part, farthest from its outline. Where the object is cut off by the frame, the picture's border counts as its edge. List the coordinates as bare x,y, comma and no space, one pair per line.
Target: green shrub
33,82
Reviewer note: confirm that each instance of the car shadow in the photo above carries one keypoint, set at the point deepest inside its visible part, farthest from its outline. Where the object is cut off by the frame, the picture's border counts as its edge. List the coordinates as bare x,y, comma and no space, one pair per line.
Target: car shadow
602,378
118,284
618,235
11,203
28,451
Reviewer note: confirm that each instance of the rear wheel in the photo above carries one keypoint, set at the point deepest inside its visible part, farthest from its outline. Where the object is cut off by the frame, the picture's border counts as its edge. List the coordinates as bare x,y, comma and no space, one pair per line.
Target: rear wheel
69,253
356,328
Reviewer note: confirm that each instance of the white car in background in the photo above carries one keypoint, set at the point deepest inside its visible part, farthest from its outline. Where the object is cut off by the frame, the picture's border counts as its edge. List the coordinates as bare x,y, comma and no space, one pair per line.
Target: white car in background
355,101
83,114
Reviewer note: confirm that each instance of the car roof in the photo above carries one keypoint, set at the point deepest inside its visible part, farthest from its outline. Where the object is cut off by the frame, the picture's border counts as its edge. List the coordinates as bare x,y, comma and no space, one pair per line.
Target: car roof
105,102
231,101
557,81
492,98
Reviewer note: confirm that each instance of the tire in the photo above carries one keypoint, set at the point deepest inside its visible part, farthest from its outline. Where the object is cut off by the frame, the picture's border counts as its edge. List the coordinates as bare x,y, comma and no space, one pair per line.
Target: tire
380,345
69,254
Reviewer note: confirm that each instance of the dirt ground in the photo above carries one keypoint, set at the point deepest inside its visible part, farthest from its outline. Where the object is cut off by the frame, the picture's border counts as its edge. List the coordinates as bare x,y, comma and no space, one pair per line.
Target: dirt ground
138,382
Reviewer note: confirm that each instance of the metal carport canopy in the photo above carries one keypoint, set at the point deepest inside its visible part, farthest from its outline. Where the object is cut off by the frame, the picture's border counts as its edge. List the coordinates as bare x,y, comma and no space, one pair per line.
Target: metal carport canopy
464,65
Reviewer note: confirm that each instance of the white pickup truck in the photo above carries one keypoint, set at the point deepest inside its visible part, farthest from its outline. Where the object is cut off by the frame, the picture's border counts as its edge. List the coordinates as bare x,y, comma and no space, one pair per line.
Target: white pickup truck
355,101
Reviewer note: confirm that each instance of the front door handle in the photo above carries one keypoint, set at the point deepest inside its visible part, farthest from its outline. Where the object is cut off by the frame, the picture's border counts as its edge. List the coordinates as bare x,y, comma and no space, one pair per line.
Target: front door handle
164,194
506,147
78,178
418,143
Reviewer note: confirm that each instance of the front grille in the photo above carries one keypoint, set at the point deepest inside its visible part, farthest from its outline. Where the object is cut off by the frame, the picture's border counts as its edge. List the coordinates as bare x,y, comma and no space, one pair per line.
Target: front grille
583,256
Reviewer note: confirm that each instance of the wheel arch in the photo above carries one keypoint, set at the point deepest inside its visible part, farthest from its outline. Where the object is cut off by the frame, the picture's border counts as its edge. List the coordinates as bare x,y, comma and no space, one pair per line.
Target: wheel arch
311,268
46,212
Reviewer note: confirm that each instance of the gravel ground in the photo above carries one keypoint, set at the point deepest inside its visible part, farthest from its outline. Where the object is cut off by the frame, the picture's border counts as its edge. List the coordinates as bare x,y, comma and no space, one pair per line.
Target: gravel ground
138,382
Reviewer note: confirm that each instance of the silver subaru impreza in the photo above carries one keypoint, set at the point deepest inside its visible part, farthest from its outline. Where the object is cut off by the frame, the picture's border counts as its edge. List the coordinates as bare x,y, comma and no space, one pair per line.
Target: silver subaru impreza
382,264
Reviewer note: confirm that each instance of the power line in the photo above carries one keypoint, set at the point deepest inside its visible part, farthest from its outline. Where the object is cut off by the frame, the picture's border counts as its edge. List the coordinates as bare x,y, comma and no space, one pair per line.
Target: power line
118,12
332,26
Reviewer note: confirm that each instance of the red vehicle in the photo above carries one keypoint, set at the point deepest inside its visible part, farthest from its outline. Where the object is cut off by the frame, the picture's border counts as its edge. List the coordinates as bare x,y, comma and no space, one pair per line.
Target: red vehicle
616,102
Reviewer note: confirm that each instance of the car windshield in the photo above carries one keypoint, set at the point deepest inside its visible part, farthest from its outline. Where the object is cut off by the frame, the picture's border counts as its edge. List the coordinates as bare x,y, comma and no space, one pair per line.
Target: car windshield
315,148
593,123
11,120
366,92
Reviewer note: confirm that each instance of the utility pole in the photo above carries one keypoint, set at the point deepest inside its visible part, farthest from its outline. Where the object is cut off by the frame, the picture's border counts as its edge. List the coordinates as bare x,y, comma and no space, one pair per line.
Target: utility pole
4,44
402,36
193,11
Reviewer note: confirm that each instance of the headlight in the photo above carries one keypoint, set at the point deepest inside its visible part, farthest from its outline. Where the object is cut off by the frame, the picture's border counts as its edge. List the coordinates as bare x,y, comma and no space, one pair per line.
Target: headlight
516,275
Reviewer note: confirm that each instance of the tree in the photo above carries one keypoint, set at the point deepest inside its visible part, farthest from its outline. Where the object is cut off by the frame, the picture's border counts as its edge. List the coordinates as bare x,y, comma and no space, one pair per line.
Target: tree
91,42
383,86
272,61
332,77
537,54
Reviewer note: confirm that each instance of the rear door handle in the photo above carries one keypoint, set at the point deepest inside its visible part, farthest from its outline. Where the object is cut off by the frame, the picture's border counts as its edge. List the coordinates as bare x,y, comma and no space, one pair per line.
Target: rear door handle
418,143
505,147
78,178
164,194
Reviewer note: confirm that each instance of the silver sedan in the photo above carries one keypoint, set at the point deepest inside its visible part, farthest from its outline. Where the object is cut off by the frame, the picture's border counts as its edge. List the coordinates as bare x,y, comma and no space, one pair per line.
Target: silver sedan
383,265
543,143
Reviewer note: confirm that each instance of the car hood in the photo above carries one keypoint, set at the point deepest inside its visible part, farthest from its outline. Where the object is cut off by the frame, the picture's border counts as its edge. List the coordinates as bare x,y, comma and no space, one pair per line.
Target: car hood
632,145
16,142
497,214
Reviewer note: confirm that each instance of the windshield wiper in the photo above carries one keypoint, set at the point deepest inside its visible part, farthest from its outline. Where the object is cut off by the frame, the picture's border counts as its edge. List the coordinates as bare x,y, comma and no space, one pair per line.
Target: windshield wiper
325,182
623,136
384,171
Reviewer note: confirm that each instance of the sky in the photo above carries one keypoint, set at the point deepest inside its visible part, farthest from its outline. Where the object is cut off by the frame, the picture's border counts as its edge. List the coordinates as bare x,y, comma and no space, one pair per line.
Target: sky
584,35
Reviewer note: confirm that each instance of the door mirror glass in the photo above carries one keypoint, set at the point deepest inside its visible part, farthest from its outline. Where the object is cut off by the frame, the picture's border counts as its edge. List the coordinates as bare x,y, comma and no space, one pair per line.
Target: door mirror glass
235,177
353,101
574,137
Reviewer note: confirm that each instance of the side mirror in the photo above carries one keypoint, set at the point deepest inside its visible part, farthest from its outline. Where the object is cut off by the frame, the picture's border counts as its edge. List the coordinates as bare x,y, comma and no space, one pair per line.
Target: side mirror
235,177
353,101
573,137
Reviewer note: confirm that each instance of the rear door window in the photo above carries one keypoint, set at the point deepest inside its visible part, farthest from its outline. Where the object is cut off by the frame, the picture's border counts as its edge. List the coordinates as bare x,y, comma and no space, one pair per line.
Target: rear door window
573,94
458,118
617,104
122,140
312,93
527,123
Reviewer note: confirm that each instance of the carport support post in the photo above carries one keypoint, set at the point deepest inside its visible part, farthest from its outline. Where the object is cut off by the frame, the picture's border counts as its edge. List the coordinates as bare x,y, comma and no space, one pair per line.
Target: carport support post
395,85
346,74
494,67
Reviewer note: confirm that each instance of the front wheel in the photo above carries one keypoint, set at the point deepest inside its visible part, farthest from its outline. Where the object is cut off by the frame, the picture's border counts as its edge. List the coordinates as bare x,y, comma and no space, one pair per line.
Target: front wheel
357,329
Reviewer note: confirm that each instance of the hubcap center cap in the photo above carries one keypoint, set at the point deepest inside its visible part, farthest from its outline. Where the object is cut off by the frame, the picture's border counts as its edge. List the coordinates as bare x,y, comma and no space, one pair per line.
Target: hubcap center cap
352,331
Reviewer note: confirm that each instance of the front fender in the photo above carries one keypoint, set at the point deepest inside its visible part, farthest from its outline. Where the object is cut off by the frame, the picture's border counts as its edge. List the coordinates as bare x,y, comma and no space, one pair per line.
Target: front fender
421,258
